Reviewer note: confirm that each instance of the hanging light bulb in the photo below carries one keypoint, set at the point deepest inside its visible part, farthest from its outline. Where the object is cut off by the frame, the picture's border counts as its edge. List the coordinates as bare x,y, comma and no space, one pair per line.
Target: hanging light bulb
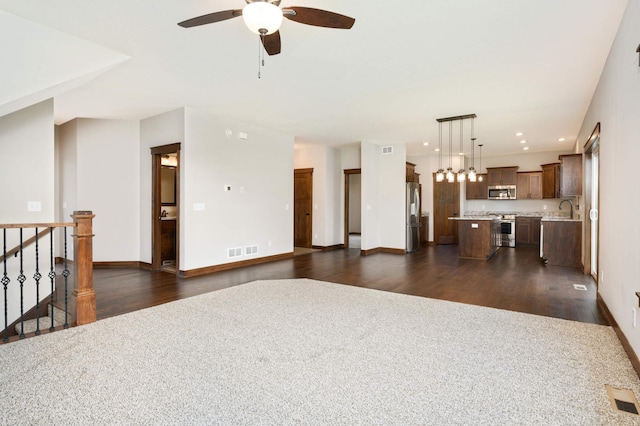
472,170
440,172
450,176
461,174
480,165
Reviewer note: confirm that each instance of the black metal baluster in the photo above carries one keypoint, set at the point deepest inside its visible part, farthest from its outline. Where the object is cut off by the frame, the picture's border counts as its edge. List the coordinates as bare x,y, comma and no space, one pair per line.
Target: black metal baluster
65,273
5,283
37,277
21,279
52,277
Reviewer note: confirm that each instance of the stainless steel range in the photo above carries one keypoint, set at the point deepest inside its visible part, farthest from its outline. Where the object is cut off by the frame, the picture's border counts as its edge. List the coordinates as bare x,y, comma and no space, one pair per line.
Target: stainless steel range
508,230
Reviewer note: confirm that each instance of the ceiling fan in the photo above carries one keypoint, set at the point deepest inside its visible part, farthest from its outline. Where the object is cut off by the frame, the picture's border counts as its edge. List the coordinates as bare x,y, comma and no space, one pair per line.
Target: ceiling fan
264,17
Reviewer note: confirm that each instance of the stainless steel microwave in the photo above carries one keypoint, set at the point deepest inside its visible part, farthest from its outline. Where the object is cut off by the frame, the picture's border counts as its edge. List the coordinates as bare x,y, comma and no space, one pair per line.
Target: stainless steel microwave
502,192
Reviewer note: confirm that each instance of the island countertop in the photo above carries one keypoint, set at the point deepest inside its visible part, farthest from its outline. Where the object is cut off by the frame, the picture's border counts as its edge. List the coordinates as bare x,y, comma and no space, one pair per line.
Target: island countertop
475,218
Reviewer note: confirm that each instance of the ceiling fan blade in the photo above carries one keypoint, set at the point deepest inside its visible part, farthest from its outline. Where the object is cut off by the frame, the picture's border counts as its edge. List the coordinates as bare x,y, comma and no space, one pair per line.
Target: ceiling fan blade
318,17
211,18
271,43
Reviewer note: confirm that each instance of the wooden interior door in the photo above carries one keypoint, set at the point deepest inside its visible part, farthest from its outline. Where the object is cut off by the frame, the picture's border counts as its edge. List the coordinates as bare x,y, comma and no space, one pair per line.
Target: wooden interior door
302,207
446,204
156,204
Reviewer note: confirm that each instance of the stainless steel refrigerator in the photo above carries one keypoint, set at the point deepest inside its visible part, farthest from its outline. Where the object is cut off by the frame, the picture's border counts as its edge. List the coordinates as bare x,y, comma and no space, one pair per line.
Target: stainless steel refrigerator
413,217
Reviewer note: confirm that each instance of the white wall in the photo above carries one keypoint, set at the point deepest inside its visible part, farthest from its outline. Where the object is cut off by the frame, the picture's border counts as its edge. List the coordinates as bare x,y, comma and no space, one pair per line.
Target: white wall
616,105
259,208
27,157
383,196
163,129
26,174
108,182
326,164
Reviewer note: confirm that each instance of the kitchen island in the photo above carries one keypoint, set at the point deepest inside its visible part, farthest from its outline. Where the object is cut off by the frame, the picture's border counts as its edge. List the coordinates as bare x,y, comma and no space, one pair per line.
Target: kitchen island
478,236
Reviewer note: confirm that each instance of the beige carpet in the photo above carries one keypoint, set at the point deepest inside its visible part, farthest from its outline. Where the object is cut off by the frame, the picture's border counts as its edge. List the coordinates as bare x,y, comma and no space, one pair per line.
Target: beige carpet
309,352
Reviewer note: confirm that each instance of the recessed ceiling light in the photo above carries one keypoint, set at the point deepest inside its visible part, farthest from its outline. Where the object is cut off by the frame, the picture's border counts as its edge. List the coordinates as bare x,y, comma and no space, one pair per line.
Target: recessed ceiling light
461,153
561,139
523,141
437,149
526,148
519,134
425,143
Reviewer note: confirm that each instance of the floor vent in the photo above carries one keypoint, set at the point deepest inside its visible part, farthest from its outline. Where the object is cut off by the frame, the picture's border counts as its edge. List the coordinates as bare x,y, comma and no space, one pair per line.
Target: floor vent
249,250
234,252
580,287
387,149
623,400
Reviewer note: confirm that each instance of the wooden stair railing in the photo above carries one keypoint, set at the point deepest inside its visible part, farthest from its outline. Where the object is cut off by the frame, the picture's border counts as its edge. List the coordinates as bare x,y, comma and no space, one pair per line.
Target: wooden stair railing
82,305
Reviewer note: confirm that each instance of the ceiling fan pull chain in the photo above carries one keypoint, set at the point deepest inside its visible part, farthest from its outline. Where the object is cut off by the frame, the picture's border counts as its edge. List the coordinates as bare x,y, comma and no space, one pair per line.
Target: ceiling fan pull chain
259,48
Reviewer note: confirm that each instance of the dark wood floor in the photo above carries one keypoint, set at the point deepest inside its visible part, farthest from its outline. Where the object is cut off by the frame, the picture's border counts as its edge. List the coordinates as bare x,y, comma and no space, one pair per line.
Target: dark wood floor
514,280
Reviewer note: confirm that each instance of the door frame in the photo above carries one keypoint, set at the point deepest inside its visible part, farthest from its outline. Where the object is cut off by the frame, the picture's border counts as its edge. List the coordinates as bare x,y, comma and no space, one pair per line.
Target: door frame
156,204
588,173
309,230
347,173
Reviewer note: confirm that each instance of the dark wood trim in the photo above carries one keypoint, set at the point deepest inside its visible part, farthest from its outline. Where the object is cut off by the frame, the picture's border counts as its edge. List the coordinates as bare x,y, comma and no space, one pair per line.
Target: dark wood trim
166,149
347,174
233,265
329,248
43,330
382,250
595,134
302,171
121,264
156,203
633,357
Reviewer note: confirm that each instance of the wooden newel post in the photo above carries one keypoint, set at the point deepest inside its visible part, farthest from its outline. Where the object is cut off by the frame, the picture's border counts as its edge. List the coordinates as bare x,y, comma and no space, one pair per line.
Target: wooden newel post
83,293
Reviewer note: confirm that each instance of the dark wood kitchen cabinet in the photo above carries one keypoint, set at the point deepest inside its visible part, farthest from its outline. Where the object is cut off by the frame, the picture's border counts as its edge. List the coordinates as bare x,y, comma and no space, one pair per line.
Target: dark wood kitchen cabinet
529,186
562,243
570,175
477,190
502,175
551,180
528,231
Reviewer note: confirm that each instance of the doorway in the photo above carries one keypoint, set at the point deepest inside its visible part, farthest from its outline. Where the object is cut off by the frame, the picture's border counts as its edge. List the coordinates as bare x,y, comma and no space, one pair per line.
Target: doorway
302,208
352,208
446,204
165,210
592,190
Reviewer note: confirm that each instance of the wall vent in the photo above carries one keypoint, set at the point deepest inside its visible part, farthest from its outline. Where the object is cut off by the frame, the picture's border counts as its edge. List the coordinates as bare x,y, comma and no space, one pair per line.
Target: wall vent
249,250
234,252
387,149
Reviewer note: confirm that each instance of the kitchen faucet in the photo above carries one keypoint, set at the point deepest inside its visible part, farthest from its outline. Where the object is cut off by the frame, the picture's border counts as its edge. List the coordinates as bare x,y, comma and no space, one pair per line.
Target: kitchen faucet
570,203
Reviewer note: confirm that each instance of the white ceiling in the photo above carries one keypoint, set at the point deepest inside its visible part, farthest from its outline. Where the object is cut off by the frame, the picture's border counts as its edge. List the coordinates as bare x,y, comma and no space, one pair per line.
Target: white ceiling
528,66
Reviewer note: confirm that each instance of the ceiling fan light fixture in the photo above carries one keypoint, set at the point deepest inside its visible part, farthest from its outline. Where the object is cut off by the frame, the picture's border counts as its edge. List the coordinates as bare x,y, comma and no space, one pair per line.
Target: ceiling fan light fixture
262,17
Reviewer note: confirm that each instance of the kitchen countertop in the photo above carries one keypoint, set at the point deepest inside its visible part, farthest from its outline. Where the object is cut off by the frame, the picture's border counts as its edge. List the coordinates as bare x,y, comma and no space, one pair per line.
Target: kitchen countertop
559,219
475,218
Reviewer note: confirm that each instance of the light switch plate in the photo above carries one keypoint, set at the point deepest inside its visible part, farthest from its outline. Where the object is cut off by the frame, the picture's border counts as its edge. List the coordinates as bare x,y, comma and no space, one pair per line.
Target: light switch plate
34,206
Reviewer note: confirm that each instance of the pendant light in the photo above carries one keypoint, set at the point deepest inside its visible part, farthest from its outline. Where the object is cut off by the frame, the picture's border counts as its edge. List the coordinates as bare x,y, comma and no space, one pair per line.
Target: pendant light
440,172
451,178
480,165
472,170
461,173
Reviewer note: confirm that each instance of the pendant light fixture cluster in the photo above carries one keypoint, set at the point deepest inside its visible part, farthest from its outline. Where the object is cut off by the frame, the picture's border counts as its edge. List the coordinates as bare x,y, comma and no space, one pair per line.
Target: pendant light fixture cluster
461,175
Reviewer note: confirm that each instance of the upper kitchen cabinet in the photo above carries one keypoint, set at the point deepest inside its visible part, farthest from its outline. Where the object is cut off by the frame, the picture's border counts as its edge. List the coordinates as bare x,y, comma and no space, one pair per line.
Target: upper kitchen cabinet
529,186
551,180
477,190
411,174
570,175
502,175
